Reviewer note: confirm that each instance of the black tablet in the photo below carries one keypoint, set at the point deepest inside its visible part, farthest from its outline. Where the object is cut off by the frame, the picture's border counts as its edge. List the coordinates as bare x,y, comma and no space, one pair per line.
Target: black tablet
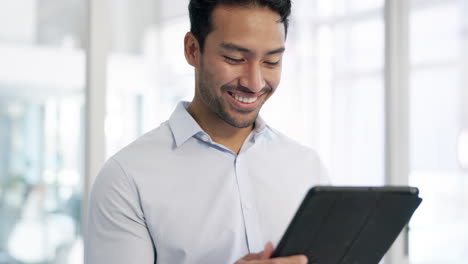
348,225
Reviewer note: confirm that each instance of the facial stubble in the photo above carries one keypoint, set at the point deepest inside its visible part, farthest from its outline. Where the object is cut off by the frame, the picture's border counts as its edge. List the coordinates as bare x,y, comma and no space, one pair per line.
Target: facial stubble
218,106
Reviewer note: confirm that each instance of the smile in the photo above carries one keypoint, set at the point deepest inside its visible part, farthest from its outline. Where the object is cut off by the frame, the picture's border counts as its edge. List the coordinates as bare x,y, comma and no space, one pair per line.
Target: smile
245,100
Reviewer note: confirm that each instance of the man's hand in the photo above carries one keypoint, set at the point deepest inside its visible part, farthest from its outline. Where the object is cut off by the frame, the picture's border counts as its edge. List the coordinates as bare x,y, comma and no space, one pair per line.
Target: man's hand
264,258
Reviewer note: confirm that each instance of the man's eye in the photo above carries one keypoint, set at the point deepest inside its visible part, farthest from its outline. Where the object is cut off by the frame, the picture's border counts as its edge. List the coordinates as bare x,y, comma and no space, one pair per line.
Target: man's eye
232,60
272,63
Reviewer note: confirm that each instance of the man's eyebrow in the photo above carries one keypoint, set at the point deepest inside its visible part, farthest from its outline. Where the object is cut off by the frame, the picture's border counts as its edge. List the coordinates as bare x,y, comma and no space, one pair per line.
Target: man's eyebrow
234,47
276,51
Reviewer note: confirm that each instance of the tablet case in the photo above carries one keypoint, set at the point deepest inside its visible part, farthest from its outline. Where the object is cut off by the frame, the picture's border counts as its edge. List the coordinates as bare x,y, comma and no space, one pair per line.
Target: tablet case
348,225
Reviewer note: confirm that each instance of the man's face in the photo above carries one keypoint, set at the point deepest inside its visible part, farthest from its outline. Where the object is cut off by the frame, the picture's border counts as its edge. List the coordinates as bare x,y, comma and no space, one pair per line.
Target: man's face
240,66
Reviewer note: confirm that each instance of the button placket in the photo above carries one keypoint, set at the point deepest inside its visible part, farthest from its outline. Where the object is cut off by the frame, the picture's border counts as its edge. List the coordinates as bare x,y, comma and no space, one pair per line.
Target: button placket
252,227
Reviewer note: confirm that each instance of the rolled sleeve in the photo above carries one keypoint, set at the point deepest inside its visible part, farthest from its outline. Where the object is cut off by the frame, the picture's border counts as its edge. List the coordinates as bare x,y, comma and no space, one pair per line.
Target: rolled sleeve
116,231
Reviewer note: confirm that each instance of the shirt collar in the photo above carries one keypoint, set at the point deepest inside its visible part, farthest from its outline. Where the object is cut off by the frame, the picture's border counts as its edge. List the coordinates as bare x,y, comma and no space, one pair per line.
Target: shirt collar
260,125
183,125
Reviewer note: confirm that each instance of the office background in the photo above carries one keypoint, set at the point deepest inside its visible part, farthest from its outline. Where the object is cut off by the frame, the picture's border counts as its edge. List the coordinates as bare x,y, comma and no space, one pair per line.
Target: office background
379,88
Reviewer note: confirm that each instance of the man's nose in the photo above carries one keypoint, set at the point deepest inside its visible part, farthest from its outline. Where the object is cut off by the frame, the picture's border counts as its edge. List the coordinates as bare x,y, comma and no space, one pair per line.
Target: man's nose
253,78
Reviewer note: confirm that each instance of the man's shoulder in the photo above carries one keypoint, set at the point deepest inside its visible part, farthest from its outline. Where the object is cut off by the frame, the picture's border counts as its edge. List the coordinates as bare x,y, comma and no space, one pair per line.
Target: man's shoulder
150,144
278,139
283,152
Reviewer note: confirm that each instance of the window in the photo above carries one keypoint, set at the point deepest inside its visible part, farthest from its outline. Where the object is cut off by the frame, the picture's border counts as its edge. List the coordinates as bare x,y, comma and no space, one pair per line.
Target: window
438,232
333,83
42,80
147,72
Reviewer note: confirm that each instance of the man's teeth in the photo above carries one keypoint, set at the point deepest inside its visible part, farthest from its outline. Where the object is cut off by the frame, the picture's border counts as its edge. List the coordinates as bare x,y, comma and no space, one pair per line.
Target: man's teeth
245,100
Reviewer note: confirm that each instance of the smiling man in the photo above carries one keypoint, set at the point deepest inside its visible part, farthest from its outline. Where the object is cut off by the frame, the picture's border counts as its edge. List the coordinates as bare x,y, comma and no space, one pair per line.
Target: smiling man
237,66
214,183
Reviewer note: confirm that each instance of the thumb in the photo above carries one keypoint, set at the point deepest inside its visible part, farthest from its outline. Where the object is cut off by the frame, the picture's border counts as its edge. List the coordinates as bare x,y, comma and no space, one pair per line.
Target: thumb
267,251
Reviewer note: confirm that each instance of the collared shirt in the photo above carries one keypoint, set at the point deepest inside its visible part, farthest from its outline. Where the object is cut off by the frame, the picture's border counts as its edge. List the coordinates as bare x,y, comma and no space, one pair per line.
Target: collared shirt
176,196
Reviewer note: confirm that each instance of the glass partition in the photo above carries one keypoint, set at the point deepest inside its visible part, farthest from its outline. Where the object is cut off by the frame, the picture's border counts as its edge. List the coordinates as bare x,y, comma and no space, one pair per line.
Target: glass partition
147,72
439,230
338,54
42,78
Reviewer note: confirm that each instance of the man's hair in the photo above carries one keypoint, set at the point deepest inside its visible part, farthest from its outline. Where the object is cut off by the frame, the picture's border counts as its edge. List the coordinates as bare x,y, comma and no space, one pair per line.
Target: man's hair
200,12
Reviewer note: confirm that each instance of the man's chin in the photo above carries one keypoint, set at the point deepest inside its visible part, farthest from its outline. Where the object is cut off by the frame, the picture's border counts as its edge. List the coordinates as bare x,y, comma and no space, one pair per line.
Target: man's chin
238,118
240,123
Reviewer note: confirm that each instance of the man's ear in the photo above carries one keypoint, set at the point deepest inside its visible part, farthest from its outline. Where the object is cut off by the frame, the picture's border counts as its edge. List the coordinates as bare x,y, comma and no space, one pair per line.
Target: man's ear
192,50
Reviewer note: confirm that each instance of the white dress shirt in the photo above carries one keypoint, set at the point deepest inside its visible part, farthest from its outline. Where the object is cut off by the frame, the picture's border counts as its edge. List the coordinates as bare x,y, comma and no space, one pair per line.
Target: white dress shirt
175,196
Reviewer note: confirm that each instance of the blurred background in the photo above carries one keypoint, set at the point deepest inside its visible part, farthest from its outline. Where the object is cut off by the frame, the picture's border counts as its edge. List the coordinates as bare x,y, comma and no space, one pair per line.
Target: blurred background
379,88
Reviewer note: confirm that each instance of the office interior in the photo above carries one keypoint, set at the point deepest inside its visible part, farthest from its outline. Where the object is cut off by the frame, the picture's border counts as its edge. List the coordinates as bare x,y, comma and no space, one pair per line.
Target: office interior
379,88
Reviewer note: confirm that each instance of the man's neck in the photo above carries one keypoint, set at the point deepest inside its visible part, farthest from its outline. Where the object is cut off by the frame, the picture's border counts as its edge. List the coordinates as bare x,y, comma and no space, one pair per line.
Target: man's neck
220,132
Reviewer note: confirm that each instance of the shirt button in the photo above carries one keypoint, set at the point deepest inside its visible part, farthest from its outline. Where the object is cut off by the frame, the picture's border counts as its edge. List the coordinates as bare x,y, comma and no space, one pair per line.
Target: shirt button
248,206
205,138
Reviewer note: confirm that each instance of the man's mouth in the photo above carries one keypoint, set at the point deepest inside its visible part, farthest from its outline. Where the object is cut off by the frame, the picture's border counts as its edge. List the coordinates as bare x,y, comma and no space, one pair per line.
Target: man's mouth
243,99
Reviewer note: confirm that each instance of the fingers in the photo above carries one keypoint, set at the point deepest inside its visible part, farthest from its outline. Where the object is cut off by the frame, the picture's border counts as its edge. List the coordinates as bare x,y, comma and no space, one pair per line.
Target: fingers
252,256
298,259
265,254
267,251
264,258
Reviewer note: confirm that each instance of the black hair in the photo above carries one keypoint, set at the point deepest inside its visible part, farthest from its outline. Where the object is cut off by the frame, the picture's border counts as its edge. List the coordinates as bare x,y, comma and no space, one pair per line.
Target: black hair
200,12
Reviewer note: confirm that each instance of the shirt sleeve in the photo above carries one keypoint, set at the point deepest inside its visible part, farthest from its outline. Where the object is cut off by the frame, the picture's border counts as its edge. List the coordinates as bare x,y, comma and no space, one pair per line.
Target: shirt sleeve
320,170
325,178
116,230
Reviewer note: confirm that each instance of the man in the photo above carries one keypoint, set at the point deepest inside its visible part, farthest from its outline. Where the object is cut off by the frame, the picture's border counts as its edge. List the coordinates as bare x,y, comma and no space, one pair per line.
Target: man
214,183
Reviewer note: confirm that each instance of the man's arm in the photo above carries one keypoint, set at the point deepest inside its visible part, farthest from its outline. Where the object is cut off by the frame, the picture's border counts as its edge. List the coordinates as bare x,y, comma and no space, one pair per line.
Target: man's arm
116,231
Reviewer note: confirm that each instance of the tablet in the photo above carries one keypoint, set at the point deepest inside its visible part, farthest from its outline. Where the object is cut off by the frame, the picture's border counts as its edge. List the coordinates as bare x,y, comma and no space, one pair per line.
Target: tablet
348,225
